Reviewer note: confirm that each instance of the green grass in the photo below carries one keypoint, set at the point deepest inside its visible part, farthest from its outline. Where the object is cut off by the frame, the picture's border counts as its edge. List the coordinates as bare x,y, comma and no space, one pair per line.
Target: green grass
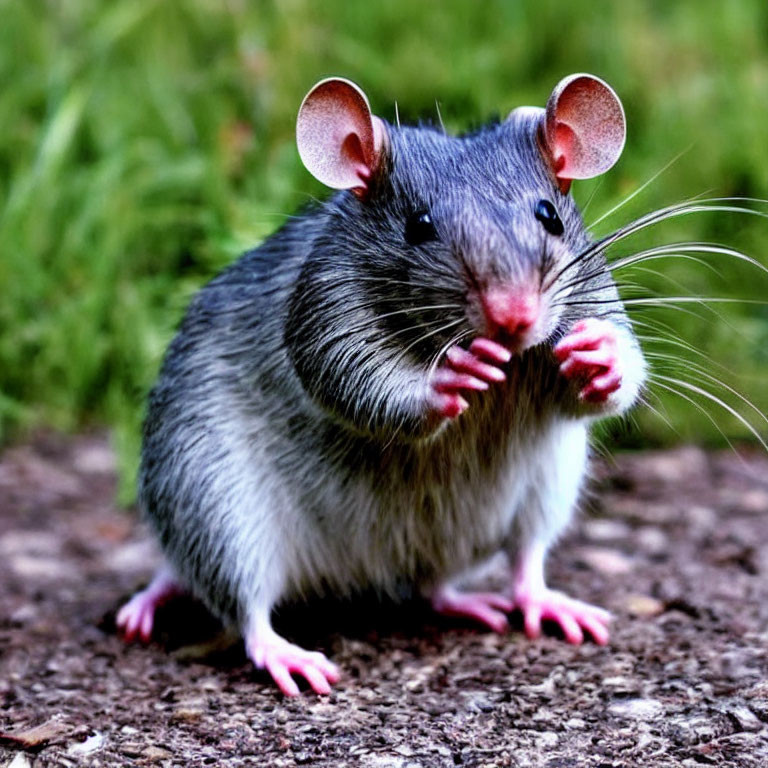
145,143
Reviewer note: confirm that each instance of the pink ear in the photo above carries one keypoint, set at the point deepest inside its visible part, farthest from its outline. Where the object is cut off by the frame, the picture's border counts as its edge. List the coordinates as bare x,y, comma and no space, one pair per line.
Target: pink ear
340,142
584,128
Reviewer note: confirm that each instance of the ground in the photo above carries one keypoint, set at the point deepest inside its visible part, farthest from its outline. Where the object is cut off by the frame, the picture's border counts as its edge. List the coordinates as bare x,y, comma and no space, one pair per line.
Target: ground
675,544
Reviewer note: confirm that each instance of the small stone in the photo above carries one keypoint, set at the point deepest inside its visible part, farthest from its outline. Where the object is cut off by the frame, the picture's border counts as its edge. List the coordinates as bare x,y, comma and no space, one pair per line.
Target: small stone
20,761
547,740
745,717
643,605
131,749
637,709
607,561
700,517
156,753
652,539
186,715
693,730
605,530
91,744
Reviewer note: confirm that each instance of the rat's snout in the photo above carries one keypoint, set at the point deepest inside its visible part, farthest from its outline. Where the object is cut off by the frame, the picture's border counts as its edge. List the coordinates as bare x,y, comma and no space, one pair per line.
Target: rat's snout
512,314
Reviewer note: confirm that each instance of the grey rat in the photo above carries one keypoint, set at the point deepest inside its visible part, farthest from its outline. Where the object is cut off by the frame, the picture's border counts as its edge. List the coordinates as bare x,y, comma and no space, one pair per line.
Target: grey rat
397,384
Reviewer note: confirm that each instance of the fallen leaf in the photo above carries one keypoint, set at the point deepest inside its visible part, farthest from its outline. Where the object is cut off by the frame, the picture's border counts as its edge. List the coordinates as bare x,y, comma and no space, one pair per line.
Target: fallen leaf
36,737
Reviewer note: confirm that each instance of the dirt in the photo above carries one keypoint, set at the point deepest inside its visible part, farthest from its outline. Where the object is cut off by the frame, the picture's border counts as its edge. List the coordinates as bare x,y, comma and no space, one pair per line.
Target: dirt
675,544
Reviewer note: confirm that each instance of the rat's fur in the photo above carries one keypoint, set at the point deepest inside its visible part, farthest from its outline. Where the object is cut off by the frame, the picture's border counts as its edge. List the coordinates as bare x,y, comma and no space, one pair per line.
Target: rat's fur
288,446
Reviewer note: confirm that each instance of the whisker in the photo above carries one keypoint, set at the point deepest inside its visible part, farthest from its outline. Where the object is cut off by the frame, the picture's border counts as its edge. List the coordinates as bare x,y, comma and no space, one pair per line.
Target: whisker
439,116
639,189
368,322
698,407
657,411
705,377
680,249
592,194
712,398
713,204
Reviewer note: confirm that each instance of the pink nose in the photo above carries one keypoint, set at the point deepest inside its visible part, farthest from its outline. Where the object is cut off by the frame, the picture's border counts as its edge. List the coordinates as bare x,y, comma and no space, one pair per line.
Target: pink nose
511,309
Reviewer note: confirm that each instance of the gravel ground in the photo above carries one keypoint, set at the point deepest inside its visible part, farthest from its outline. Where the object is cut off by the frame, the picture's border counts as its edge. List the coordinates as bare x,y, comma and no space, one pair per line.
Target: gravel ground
675,544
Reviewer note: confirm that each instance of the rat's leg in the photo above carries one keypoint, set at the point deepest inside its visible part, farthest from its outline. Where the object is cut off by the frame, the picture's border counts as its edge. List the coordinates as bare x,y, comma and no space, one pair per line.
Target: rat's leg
282,659
136,618
466,370
538,602
558,476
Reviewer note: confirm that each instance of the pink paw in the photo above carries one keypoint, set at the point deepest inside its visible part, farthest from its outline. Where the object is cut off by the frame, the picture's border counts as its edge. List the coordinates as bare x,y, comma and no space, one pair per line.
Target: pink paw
589,353
136,618
489,608
282,659
465,371
571,615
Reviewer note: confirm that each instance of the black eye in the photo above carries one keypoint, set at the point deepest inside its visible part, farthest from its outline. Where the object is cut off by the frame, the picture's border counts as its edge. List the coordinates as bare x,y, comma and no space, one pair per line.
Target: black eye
419,228
546,213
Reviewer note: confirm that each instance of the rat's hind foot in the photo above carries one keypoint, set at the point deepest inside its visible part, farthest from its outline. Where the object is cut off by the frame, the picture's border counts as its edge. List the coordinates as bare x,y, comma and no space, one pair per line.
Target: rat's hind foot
136,618
282,659
489,608
573,616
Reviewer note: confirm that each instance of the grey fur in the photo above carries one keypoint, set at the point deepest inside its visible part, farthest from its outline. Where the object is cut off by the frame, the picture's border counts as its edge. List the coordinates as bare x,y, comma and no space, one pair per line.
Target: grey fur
288,448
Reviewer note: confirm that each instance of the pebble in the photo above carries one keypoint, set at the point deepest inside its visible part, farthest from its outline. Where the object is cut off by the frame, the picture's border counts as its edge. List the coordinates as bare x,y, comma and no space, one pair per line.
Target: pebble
652,539
91,744
605,530
745,717
700,517
643,605
637,709
607,561
20,761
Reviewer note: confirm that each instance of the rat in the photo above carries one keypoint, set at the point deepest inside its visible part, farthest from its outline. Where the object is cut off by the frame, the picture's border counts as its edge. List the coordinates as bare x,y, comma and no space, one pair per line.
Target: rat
398,384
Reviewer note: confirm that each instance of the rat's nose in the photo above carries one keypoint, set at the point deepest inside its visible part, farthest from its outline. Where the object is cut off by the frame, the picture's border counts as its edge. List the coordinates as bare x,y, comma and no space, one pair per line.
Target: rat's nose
511,309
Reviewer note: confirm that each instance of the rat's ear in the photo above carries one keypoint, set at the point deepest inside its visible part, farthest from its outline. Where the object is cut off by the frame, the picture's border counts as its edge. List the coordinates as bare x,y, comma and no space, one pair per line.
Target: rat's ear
584,128
340,142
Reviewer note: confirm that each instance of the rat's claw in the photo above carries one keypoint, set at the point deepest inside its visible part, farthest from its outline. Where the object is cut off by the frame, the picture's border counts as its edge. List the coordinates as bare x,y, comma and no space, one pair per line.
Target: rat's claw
283,659
490,350
135,620
450,380
449,406
572,616
467,362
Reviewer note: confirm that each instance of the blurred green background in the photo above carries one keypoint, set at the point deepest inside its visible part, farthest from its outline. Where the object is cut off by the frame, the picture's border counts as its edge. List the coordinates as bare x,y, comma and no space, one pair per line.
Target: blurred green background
144,144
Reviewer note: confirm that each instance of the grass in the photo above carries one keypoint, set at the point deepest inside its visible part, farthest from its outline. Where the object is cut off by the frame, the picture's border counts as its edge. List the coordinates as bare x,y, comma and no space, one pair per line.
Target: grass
144,144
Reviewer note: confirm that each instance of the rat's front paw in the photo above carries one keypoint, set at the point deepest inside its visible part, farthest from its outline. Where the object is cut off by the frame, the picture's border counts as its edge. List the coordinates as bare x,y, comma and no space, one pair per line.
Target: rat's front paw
589,355
464,371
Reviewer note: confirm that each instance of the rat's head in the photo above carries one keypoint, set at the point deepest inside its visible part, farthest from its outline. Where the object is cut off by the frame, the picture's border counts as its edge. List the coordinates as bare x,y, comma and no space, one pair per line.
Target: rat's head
477,233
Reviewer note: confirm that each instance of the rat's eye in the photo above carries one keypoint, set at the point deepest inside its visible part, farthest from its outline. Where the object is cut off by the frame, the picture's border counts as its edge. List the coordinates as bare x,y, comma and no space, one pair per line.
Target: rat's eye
546,213
419,228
